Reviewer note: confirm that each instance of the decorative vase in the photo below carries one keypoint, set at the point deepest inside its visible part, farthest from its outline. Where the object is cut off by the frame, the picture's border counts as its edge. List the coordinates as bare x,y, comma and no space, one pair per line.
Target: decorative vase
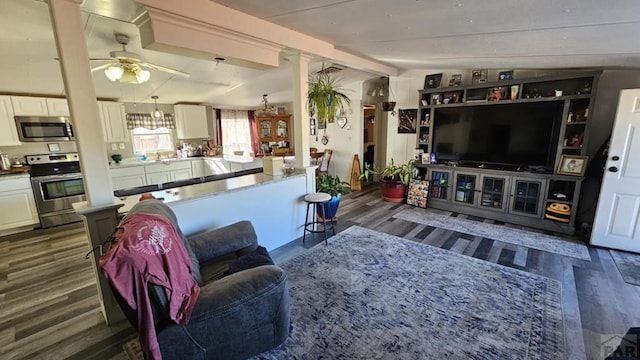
117,158
331,207
392,191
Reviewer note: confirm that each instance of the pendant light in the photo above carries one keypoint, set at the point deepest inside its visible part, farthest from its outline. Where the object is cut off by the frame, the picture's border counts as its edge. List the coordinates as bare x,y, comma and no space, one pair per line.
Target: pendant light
156,114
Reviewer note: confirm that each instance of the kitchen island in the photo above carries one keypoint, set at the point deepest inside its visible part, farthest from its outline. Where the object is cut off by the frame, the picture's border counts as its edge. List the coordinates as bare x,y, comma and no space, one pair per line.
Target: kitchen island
274,205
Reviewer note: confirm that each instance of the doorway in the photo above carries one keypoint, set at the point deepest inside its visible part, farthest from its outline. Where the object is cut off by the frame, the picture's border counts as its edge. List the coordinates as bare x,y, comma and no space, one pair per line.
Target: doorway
369,136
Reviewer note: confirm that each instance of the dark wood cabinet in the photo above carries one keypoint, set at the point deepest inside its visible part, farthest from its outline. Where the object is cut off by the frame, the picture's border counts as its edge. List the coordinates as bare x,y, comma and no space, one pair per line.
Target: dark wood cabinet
275,134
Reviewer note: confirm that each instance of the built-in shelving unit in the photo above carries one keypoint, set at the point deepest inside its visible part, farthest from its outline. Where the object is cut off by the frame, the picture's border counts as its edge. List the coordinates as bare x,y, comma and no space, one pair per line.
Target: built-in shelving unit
531,196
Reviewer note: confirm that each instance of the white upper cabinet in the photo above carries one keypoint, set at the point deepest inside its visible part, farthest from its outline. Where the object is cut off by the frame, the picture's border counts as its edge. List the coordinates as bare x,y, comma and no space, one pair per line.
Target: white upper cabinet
29,106
8,130
114,123
58,107
191,121
39,106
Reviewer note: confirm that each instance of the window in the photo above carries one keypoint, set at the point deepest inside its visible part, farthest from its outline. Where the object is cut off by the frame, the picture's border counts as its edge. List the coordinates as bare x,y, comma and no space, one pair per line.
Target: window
149,141
236,133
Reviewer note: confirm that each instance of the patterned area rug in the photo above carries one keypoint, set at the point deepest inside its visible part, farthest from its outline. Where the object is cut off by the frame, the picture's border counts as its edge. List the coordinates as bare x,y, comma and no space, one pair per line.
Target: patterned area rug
370,295
529,239
629,266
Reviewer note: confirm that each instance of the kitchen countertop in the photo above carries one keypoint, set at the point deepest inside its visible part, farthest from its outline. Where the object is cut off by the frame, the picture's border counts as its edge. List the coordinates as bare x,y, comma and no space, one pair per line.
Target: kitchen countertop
230,158
211,188
15,171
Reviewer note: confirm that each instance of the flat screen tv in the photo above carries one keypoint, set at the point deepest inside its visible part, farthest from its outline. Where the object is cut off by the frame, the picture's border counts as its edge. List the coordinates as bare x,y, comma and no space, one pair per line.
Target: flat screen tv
522,134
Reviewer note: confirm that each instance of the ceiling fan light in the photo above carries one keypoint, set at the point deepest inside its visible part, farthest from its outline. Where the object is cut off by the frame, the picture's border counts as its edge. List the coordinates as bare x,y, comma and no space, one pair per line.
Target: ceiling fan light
129,76
114,73
143,76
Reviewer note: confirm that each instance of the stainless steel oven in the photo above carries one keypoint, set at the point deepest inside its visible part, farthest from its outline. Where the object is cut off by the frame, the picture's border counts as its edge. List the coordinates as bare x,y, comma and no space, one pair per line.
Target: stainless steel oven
57,183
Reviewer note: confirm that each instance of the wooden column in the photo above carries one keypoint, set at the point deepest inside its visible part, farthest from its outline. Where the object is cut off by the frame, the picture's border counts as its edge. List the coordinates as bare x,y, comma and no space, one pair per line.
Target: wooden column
300,72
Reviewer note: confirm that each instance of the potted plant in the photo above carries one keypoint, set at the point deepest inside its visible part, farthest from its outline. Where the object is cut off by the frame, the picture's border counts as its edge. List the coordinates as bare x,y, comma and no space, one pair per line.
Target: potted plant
325,97
395,179
333,186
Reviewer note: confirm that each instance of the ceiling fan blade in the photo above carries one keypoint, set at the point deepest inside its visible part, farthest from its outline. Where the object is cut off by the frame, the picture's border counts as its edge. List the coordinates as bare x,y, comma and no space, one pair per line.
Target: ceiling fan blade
165,69
103,66
102,59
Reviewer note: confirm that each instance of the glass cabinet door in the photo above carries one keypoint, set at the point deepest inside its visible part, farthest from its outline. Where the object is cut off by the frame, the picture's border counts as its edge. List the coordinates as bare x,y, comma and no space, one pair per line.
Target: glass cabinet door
465,189
492,195
282,129
265,129
527,197
439,181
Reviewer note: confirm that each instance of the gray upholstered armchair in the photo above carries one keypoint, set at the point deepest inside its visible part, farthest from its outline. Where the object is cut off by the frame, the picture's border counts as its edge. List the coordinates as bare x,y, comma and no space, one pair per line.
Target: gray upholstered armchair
236,316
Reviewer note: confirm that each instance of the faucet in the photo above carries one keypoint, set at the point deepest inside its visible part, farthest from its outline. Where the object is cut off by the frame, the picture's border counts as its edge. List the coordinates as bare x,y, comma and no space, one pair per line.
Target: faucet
157,155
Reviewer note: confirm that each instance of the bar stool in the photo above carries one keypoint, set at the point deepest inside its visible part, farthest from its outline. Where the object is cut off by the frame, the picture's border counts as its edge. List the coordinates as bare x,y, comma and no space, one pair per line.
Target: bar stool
311,226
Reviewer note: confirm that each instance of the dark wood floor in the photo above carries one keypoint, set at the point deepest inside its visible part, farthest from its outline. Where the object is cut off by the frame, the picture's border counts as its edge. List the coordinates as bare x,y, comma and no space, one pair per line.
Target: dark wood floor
49,306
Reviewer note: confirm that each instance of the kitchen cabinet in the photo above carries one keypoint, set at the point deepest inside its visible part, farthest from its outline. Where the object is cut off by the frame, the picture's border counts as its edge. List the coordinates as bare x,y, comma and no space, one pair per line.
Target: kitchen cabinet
29,106
274,132
168,171
191,121
39,106
58,107
17,205
8,130
216,167
128,177
114,123
198,167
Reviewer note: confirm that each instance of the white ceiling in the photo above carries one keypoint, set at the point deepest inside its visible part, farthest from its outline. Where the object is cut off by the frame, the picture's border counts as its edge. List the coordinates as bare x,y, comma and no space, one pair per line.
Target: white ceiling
412,35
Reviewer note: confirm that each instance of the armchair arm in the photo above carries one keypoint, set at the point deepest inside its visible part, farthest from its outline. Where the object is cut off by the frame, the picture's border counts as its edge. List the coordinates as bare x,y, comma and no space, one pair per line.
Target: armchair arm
251,304
217,242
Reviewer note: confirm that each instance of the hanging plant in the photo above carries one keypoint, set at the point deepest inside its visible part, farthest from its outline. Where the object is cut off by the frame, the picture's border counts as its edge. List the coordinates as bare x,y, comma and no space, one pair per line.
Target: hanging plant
325,98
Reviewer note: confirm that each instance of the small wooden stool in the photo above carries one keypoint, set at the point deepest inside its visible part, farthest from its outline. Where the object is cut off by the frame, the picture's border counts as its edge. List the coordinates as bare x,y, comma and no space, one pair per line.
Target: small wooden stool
312,226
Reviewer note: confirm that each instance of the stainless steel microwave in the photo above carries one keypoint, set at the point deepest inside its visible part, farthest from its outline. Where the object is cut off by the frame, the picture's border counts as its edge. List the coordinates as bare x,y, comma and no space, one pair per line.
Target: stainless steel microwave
44,128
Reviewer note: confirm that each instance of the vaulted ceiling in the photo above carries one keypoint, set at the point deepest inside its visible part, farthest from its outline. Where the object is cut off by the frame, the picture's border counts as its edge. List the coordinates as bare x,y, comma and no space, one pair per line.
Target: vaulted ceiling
411,35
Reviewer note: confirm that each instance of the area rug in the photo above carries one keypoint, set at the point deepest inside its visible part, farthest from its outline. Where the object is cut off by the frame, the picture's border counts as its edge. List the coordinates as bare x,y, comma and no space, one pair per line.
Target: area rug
629,266
370,295
529,239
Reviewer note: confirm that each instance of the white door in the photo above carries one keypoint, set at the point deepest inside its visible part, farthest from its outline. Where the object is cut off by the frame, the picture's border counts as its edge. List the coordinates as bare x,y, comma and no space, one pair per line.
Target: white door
617,221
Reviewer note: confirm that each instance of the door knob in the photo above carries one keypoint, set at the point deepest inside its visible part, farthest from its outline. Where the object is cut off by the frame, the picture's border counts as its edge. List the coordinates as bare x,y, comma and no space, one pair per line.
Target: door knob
613,169
615,158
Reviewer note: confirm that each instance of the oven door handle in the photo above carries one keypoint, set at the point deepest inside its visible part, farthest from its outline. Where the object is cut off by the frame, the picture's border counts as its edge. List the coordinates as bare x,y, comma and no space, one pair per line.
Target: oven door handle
56,177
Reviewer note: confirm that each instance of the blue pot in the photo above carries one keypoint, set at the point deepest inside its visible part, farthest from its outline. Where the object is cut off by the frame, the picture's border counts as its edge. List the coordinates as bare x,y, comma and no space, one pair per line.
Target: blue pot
331,207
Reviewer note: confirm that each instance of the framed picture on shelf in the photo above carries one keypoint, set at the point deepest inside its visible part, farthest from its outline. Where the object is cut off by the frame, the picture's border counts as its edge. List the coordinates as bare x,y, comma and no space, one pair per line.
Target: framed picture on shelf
455,80
407,121
436,99
505,75
479,76
432,81
282,110
572,165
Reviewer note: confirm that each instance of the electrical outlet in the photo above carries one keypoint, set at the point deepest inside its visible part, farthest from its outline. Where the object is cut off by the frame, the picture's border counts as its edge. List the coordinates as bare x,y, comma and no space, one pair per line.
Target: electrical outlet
114,147
121,146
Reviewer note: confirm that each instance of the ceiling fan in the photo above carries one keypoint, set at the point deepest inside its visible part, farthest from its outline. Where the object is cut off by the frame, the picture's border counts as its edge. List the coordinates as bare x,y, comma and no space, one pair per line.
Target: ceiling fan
128,67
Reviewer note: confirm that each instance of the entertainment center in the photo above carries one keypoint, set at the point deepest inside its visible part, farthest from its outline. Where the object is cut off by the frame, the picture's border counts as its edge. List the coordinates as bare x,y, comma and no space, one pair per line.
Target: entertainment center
511,151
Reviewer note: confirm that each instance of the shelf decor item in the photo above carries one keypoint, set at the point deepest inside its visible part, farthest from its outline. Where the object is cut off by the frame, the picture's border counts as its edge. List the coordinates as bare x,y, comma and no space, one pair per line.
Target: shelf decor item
456,80
407,121
505,75
572,165
479,76
432,81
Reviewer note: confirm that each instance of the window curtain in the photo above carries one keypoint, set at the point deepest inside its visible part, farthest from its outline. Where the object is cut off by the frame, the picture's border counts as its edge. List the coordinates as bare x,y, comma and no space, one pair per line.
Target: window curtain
253,126
236,132
219,127
146,121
